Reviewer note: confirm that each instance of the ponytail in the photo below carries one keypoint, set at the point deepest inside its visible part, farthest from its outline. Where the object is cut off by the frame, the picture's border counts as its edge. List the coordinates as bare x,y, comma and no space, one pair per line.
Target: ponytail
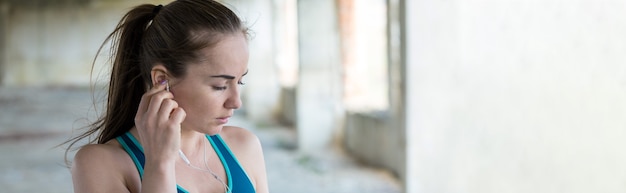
127,82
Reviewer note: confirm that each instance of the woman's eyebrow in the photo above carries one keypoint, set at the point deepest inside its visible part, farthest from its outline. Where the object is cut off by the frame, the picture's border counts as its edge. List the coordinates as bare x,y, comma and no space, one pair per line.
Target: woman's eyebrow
229,77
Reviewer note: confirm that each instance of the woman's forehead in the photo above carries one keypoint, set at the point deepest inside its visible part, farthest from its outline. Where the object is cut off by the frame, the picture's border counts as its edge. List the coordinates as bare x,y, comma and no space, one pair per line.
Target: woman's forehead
228,56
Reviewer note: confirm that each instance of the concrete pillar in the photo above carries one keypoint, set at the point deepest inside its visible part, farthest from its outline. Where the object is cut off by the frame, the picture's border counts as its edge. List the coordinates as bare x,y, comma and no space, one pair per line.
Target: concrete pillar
397,76
430,50
260,97
515,96
285,37
374,130
318,94
4,20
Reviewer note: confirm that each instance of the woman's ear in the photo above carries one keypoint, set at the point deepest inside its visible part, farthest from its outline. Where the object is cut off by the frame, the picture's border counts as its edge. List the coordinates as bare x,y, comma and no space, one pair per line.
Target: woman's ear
159,73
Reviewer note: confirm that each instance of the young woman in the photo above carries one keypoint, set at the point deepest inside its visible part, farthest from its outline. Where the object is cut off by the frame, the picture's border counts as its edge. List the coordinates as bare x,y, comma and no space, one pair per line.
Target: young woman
174,84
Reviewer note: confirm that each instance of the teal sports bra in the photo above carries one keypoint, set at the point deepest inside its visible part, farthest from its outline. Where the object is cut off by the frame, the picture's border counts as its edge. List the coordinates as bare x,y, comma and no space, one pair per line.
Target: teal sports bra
238,180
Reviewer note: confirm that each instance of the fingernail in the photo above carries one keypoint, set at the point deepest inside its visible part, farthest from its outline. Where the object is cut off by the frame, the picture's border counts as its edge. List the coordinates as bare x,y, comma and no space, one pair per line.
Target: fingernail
162,82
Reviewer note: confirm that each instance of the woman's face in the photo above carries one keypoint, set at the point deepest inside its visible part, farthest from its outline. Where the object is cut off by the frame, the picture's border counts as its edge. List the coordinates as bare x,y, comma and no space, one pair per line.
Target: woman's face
210,92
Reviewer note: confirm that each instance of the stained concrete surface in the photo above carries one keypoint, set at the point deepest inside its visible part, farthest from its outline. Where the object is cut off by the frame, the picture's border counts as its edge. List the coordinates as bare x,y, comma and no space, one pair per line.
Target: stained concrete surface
34,120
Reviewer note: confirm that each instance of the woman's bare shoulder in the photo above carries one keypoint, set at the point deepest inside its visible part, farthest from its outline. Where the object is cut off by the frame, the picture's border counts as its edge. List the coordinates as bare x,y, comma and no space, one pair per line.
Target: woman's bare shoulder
238,135
244,143
99,167
99,153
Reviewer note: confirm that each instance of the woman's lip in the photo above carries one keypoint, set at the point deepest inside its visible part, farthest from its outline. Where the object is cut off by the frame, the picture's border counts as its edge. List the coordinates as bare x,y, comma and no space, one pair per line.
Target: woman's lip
223,120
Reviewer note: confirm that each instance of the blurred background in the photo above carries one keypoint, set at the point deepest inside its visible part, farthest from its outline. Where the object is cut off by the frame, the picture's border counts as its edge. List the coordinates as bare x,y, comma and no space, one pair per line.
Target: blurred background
359,95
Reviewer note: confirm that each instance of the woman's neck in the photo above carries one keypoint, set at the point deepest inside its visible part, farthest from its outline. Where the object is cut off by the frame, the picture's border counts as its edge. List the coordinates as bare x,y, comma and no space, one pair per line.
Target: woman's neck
191,142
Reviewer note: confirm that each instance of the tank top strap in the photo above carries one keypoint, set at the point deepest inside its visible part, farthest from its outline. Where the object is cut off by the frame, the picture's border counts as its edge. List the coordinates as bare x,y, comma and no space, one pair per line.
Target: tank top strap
135,151
238,180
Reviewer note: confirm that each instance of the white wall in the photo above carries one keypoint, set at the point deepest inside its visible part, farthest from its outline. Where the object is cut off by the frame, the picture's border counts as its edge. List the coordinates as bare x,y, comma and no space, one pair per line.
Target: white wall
516,96
318,95
54,43
365,56
262,76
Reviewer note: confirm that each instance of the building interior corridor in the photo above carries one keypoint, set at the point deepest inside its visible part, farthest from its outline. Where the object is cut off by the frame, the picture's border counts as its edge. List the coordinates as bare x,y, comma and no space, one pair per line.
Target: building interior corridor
414,96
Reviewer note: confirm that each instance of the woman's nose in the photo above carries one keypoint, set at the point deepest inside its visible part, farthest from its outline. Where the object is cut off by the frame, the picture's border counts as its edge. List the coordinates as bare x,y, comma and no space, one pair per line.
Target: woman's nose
234,100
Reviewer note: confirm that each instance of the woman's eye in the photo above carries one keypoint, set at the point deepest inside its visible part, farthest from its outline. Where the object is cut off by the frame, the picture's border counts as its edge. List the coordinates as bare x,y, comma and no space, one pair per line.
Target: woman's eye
219,88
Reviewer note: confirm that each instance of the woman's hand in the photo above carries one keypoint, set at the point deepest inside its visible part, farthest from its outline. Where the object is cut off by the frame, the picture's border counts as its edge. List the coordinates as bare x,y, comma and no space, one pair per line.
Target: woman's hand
158,123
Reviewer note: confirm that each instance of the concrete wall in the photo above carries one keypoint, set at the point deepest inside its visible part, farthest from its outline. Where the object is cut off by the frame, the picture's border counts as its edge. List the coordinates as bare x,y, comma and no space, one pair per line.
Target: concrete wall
54,42
318,94
285,36
262,67
364,54
288,107
4,15
377,137
516,96
372,139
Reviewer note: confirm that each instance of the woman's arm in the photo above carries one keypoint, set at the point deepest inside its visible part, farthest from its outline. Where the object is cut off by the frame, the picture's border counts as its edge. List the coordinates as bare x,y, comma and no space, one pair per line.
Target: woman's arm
158,122
260,174
159,177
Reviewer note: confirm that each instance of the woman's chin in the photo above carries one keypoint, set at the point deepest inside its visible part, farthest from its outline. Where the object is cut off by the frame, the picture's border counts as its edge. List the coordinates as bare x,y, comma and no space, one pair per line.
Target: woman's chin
214,130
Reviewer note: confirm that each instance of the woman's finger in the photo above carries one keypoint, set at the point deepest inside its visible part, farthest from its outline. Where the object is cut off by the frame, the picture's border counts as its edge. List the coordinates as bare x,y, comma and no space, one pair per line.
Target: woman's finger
167,107
146,98
178,115
155,102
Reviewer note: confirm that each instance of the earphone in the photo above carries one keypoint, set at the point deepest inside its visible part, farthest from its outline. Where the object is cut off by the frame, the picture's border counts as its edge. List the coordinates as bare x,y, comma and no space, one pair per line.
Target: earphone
182,155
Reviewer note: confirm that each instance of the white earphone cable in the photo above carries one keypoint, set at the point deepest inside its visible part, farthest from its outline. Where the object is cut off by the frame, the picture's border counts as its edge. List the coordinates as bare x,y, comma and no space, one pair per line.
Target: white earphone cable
182,155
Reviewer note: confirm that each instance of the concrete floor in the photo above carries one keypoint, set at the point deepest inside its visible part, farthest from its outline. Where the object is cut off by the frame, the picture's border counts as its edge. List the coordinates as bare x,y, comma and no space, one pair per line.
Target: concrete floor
34,120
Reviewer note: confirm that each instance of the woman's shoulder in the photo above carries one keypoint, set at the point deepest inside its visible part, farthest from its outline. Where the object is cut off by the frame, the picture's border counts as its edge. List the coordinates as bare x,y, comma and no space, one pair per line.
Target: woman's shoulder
97,167
238,136
94,156
241,141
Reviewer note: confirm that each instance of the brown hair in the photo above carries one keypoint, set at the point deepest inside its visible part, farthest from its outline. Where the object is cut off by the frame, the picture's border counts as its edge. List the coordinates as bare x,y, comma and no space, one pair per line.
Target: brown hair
170,35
